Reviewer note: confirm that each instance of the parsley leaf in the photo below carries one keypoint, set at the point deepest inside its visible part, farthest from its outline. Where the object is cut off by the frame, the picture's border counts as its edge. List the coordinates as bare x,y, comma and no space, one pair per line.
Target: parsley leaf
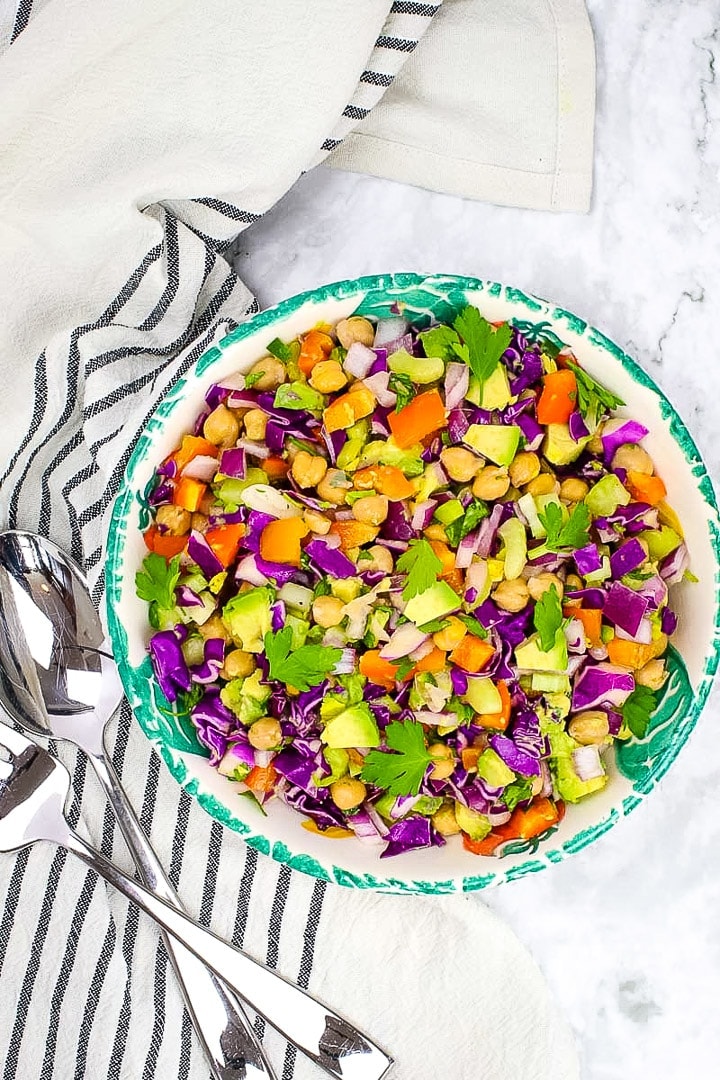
517,792
483,344
638,709
301,668
422,567
252,798
404,668
403,386
457,530
548,617
473,625
440,341
402,772
433,626
252,378
279,349
157,580
594,400
572,533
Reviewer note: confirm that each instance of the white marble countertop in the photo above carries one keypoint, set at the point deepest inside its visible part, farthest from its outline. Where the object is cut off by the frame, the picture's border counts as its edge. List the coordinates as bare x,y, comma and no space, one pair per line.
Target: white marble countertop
626,932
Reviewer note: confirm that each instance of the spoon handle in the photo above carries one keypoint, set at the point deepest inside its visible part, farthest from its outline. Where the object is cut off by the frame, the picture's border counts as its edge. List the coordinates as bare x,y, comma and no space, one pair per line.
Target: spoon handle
331,1042
219,1019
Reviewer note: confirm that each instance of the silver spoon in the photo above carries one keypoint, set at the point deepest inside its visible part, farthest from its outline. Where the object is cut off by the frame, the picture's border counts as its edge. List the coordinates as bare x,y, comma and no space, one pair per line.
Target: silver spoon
56,683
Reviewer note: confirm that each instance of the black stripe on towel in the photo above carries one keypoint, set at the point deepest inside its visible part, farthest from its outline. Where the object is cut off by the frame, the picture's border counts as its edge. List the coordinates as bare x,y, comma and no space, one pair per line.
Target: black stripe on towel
398,44
22,18
228,210
330,144
306,962
376,78
406,7
354,112
274,928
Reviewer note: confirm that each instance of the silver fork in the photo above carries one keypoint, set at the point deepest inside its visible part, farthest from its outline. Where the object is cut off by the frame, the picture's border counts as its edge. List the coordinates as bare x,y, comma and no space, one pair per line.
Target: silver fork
33,791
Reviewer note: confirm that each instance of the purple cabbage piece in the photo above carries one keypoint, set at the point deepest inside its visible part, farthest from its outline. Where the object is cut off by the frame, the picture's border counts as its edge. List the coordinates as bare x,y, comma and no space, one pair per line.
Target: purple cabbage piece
409,833
380,361
216,395
457,425
168,663
673,566
215,723
324,814
616,433
202,554
280,573
479,795
534,434
168,468
655,591
511,627
480,416
256,522
213,657
187,597
396,525
625,608
627,558
330,560
527,369
275,436
233,463
526,734
200,421
516,759
277,616
576,426
601,685
591,598
334,442
668,621
160,494
299,770
459,681
511,413
587,559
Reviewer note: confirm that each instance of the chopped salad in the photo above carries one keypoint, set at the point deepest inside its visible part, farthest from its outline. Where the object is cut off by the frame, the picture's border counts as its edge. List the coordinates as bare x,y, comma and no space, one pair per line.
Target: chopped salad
413,581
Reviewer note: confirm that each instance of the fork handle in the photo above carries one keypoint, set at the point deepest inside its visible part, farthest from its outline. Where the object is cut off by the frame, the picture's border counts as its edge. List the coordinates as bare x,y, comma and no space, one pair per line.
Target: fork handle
225,1031
333,1043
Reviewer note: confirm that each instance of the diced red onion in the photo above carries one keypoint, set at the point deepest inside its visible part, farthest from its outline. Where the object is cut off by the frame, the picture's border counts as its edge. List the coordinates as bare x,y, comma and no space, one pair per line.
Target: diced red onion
346,663
203,555
457,382
254,449
466,549
488,531
389,330
643,635
377,384
404,640
423,514
263,758
203,467
422,651
674,565
359,360
587,763
247,570
232,463
576,426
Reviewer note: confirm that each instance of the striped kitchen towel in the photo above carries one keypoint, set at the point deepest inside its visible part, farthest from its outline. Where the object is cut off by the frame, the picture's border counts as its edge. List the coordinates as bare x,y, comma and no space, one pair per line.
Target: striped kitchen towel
137,140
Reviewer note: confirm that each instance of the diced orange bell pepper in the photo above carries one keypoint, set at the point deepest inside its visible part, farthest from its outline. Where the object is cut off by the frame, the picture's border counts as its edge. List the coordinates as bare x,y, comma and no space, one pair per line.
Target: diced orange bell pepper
444,554
422,416
378,670
455,579
164,544
486,846
386,480
630,654
193,446
470,757
591,618
333,832
349,408
188,493
275,467
434,661
353,534
644,488
261,780
559,397
314,347
225,541
280,540
539,816
498,721
472,654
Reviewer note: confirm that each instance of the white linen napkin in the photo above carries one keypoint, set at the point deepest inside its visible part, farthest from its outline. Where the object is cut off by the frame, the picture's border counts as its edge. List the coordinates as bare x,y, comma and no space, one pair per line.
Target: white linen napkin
136,141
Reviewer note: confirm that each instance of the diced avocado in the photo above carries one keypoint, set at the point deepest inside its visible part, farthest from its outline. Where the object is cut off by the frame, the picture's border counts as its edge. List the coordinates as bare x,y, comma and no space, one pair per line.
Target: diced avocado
667,516
299,628
193,649
476,825
298,395
246,697
568,784
436,602
337,761
483,696
384,805
247,617
493,769
498,442
548,683
427,805
345,589
526,505
559,447
604,497
513,535
596,576
349,457
387,452
421,369
496,390
354,726
200,615
660,541
332,705
449,511
531,657
433,477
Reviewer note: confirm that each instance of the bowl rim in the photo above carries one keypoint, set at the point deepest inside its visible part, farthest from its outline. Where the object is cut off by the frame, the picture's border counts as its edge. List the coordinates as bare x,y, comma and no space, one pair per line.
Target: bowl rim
343,290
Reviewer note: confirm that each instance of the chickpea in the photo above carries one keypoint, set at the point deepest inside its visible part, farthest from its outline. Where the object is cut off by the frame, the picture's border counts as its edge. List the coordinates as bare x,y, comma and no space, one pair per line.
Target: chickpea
208,505
214,627
653,674
524,468
512,595
316,522
633,458
273,373
445,821
255,424
573,490
333,486
659,645
174,519
381,559
436,531
451,636
347,793
444,760
265,734
372,510
327,376
543,484
354,329
199,522
328,611
308,469
572,582
221,427
590,727
491,483
238,664
460,464
542,582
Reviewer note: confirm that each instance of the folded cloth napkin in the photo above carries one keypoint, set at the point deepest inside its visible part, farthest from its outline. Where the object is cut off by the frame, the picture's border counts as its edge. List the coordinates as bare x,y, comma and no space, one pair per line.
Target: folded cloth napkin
137,141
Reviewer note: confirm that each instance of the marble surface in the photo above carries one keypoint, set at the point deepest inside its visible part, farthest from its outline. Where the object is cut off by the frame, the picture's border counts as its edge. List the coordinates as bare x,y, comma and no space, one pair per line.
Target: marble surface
626,932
